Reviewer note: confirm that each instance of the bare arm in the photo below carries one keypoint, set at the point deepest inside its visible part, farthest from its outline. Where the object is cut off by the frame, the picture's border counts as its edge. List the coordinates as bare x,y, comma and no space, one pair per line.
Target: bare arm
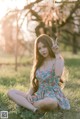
29,94
59,61
59,65
30,91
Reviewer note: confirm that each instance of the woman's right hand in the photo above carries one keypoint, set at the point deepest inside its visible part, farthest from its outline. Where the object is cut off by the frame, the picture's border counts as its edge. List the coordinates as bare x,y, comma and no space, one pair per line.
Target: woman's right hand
29,97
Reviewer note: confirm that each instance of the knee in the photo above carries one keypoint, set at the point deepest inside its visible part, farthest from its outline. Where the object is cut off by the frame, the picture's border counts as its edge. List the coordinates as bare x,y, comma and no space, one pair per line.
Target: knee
53,104
50,105
10,93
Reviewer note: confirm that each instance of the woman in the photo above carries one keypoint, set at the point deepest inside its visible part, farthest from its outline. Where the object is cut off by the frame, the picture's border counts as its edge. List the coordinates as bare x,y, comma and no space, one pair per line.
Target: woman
45,93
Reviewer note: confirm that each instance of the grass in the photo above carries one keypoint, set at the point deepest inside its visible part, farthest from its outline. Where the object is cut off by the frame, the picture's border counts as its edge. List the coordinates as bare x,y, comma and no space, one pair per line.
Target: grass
9,59
9,79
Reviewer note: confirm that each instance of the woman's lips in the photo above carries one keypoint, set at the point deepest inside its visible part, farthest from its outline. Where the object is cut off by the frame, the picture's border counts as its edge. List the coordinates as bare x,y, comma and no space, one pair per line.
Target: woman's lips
44,53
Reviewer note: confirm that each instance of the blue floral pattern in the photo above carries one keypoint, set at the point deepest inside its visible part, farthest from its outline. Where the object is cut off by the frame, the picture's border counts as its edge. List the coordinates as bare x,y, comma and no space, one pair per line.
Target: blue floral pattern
48,87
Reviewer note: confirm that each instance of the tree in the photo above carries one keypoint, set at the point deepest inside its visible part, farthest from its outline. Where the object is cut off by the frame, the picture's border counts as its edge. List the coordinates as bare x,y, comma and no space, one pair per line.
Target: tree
55,20
59,21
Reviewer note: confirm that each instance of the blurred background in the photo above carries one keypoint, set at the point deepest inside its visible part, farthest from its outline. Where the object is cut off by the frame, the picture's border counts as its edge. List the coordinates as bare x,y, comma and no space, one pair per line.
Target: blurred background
21,21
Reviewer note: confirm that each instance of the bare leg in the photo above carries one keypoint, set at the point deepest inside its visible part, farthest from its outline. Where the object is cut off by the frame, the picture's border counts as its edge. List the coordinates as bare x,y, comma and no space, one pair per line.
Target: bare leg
46,104
20,98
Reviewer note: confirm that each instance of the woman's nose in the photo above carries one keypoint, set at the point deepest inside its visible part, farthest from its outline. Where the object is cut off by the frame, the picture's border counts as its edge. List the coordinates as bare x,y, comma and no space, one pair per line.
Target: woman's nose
42,50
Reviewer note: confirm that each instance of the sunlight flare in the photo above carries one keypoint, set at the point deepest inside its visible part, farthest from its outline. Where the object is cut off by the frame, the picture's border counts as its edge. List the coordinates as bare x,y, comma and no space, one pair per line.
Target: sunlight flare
10,5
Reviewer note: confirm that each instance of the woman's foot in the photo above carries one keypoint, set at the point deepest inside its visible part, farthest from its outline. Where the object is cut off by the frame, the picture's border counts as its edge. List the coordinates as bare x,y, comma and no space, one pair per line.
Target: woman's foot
35,110
38,111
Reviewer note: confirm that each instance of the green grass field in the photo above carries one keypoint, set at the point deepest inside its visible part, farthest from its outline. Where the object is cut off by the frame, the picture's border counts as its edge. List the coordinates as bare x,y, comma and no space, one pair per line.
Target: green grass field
20,80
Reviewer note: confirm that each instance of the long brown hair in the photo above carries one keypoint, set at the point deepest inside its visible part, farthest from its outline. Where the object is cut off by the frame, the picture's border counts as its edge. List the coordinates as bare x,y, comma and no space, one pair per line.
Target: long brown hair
38,58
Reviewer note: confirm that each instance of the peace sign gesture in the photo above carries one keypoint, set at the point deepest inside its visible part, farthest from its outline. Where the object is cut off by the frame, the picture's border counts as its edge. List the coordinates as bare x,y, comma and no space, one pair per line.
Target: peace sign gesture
55,47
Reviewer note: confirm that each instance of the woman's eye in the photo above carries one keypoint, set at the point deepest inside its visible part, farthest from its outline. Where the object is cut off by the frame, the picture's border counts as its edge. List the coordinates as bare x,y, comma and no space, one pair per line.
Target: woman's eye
44,46
41,47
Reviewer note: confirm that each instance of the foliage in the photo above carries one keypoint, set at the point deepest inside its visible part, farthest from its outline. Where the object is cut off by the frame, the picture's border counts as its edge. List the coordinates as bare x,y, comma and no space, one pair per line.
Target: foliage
54,17
57,19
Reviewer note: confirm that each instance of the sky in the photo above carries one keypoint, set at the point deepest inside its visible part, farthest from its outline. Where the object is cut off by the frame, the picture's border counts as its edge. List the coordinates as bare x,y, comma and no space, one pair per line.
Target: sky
6,5
10,4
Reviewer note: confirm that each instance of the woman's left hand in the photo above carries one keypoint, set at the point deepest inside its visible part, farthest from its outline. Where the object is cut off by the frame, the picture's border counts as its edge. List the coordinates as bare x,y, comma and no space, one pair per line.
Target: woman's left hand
55,47
29,97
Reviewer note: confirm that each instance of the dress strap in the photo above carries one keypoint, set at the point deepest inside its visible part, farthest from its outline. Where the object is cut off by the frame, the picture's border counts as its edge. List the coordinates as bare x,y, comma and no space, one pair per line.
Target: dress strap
53,67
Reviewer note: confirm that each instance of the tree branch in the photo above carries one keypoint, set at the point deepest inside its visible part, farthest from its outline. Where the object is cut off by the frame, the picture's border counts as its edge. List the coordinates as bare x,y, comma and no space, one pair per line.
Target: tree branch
34,13
67,2
31,4
69,17
74,23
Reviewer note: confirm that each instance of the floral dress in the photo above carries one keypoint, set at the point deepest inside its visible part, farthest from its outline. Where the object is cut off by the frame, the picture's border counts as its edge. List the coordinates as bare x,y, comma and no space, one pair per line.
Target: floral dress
49,87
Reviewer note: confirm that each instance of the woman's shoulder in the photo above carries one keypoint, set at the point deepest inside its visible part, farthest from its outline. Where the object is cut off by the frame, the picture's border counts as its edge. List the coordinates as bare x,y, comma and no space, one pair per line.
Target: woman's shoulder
59,57
59,60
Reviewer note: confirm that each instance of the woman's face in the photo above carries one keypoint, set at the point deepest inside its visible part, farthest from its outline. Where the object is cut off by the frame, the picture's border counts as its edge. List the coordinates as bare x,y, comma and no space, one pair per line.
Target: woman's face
43,50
